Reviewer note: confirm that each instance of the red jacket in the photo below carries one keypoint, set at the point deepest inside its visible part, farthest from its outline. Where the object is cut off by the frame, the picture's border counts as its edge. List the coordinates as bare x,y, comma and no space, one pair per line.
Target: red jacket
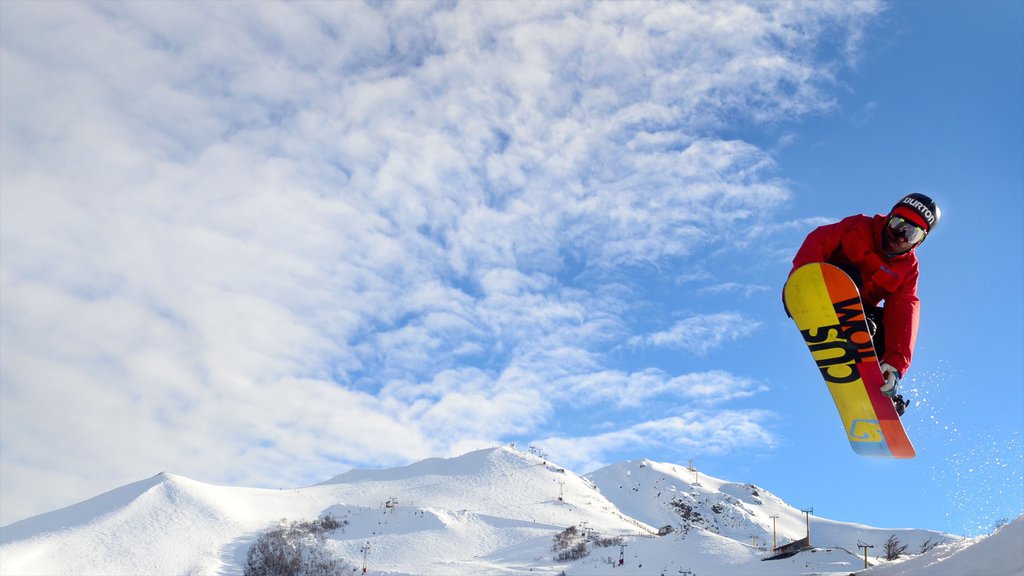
855,245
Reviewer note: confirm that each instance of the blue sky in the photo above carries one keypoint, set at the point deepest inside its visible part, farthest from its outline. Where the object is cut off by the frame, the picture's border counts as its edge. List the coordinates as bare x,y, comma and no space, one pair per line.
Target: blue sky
260,244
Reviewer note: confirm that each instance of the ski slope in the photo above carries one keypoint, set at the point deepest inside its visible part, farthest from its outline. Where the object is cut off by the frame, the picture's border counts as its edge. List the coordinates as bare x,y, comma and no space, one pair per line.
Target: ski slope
492,511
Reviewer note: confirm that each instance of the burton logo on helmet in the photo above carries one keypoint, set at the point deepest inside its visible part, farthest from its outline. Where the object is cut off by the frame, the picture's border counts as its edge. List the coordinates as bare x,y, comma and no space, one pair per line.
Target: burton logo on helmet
921,209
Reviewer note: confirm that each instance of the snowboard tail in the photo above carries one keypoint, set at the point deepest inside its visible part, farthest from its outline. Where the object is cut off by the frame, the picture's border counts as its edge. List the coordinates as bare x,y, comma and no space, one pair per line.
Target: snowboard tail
826,306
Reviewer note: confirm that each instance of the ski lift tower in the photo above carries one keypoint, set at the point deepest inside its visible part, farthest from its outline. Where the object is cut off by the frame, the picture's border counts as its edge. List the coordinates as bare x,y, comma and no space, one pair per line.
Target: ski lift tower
807,512
865,547
365,549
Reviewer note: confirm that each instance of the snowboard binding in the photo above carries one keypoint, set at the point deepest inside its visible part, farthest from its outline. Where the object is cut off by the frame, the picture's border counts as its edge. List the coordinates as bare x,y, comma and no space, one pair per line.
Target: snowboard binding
900,404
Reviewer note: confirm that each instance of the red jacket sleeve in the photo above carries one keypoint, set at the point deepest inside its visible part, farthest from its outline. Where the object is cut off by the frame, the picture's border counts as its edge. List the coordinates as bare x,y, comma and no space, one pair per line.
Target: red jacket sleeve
902,314
849,243
820,244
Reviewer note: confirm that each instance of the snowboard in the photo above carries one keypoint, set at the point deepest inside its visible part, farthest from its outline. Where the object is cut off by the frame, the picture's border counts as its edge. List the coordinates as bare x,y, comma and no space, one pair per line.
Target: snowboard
825,304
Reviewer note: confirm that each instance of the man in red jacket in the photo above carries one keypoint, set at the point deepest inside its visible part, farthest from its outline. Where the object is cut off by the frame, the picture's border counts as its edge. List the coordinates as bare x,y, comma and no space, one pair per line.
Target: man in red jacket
878,254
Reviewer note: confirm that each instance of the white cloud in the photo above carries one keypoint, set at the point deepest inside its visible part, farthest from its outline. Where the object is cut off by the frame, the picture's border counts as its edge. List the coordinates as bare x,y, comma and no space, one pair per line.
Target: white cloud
288,237
637,388
747,290
692,433
702,333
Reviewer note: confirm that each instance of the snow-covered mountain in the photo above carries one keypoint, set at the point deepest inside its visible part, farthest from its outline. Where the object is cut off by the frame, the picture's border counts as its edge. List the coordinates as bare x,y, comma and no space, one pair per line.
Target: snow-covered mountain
494,511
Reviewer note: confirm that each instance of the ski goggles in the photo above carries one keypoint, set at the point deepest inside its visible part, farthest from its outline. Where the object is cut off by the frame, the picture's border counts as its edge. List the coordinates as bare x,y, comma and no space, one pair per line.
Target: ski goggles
906,230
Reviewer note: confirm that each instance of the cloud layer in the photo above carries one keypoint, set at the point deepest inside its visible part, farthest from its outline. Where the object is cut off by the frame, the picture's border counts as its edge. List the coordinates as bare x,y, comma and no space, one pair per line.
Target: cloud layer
258,244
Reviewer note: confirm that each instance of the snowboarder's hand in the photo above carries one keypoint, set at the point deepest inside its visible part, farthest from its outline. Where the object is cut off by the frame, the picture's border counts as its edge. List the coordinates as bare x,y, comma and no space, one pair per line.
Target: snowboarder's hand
892,379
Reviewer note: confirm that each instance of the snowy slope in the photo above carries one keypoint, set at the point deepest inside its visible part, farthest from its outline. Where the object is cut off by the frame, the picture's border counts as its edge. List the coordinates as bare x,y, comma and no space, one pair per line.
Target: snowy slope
668,494
703,553
493,511
489,508
164,525
1000,553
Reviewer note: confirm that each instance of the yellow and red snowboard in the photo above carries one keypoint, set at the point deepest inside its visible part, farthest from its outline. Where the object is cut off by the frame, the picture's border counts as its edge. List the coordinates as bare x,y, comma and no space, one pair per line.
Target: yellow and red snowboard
826,306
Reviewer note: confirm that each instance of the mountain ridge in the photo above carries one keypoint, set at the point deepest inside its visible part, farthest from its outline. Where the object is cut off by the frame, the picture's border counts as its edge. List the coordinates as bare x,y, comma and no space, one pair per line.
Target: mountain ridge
490,511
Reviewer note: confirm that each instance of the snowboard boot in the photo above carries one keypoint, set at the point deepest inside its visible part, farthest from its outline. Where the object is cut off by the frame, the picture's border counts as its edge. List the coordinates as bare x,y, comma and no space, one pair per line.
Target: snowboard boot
900,404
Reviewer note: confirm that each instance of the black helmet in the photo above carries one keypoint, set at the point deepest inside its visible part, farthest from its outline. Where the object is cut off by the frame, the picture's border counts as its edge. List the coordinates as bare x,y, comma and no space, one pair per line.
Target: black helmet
920,209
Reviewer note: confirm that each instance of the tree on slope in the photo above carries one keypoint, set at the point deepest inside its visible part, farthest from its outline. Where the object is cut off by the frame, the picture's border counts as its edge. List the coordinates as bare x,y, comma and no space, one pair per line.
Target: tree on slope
894,548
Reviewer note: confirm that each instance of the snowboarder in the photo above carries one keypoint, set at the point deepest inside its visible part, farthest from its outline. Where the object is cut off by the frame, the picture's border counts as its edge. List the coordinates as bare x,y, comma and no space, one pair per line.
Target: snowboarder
878,254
